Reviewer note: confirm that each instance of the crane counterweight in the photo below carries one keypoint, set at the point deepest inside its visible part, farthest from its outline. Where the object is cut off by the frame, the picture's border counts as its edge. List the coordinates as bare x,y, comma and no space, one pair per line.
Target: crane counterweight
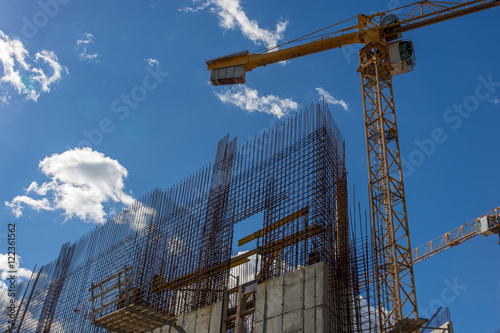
228,75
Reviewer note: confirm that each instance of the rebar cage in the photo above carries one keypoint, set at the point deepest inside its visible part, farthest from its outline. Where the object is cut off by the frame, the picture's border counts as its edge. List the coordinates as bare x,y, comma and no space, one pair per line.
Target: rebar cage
170,253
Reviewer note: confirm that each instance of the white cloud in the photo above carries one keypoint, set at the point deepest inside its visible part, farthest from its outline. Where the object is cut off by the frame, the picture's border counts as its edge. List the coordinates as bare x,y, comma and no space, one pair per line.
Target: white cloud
81,181
495,101
137,215
231,15
332,100
16,205
176,245
198,8
4,99
82,44
29,320
49,58
152,62
20,75
248,99
5,268
12,51
367,311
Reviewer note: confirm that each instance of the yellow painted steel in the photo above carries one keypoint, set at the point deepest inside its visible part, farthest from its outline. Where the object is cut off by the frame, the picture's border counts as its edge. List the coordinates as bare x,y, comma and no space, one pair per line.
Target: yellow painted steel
450,239
394,277
251,61
365,31
274,226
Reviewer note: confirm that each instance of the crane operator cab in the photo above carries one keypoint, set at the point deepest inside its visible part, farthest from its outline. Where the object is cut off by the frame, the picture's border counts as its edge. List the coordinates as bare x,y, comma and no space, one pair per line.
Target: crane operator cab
488,225
401,52
402,55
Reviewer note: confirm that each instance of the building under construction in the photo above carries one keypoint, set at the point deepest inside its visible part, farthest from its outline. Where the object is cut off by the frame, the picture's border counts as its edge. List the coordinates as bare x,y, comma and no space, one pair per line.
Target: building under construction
167,263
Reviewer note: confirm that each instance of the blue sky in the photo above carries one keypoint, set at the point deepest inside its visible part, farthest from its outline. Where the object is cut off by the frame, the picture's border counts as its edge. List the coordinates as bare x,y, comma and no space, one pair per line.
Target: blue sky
129,80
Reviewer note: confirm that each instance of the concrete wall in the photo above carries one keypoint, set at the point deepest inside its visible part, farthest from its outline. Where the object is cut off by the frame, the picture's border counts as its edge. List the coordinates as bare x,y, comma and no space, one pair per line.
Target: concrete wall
207,320
295,302
448,326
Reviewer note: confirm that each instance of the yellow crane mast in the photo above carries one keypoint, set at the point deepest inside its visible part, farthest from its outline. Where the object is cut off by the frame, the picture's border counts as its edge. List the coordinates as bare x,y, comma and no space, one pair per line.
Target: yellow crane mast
384,55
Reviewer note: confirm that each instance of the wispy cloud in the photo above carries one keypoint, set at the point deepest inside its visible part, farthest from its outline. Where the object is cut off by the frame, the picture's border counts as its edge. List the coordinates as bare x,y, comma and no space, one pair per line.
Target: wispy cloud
332,100
231,16
248,99
49,58
81,182
152,62
197,8
16,205
495,101
176,245
5,267
83,44
21,74
137,215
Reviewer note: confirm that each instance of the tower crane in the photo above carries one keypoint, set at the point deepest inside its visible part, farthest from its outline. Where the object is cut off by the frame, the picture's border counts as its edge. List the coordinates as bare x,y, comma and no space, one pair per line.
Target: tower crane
384,55
486,225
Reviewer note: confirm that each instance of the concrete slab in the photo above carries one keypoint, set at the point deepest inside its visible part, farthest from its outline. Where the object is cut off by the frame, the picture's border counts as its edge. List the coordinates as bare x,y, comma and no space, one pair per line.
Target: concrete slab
321,283
274,324
216,317
203,319
260,302
274,297
179,322
321,319
189,322
448,325
293,291
293,321
169,329
259,327
309,320
309,288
